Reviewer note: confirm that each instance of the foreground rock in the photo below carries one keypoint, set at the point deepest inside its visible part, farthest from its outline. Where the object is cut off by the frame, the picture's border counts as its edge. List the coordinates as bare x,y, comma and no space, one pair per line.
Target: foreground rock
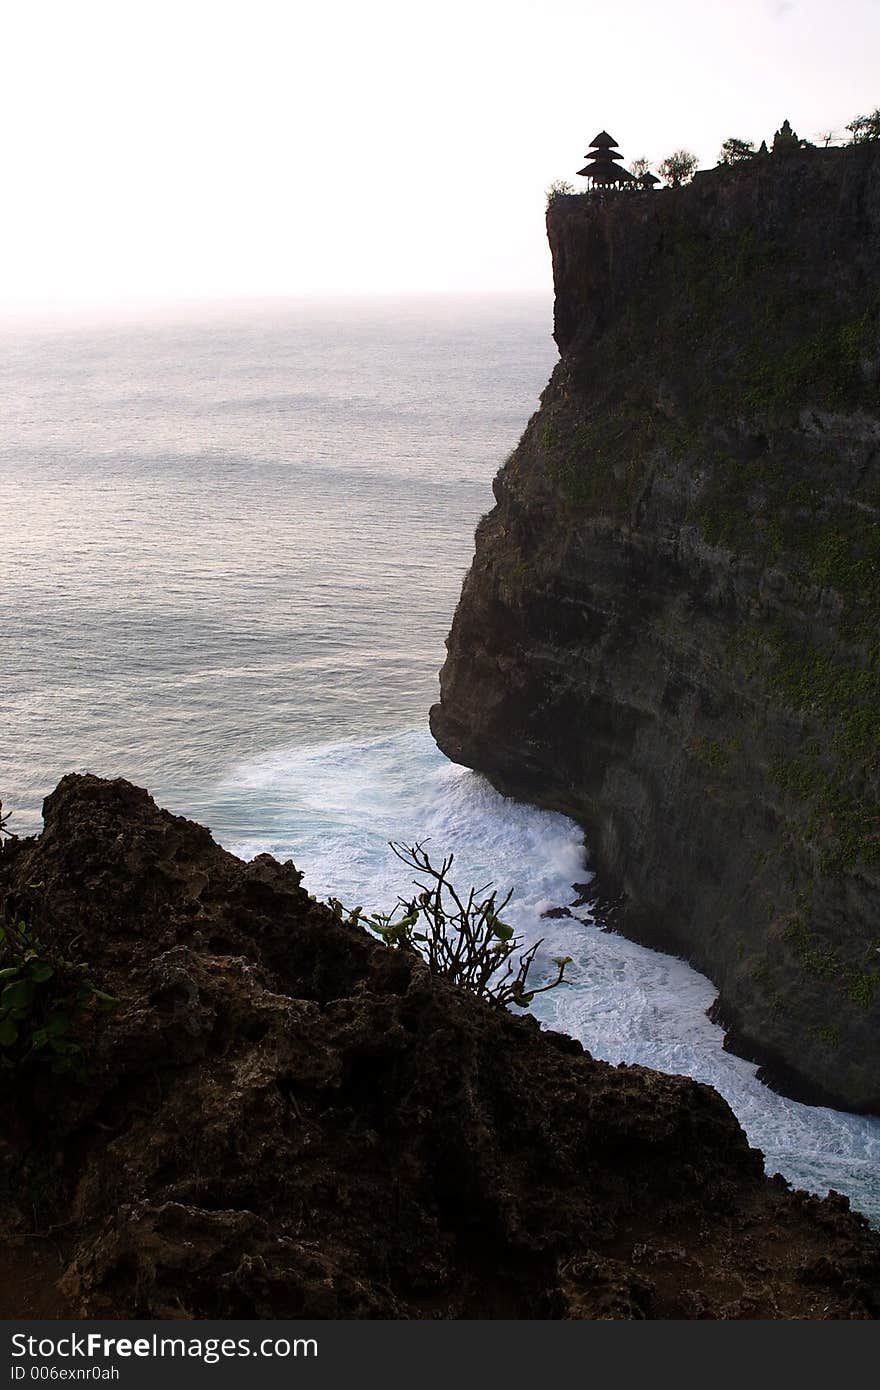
670,627
284,1118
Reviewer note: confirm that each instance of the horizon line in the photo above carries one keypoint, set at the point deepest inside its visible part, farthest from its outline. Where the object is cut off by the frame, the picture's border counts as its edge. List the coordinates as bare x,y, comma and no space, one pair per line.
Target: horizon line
11,309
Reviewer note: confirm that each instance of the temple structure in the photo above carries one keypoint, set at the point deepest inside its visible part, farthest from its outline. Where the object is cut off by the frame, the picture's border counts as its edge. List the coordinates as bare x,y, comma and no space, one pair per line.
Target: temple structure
602,169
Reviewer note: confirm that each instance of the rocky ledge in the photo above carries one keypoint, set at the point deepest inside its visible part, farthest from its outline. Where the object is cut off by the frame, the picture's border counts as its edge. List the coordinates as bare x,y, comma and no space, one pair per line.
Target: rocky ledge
282,1117
670,627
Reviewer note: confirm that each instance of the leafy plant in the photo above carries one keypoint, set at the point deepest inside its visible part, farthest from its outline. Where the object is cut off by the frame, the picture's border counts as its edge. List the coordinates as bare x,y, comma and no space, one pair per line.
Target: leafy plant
464,939
4,821
42,997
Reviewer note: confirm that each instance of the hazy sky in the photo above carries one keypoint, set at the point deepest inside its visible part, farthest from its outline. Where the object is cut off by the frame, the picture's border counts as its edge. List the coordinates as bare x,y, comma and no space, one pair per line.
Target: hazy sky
190,148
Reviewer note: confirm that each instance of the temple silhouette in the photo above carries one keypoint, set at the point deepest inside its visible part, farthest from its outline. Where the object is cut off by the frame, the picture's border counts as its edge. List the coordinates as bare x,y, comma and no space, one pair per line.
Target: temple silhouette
603,171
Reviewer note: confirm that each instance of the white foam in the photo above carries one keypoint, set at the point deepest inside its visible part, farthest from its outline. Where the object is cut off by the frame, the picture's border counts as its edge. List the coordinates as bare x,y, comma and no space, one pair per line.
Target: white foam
333,808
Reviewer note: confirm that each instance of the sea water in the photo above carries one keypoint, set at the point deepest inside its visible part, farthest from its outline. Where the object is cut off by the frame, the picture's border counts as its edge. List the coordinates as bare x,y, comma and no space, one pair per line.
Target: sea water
230,549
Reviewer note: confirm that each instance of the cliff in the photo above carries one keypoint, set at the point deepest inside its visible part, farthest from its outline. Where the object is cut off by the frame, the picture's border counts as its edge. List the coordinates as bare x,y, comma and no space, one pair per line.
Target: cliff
282,1117
670,626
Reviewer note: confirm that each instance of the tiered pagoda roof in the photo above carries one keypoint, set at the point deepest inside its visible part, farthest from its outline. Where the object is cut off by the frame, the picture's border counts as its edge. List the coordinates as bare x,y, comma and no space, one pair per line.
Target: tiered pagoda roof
601,167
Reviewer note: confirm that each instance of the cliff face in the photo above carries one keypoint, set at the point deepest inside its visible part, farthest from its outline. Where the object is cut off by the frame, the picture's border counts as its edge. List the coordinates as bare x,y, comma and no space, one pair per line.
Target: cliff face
670,626
284,1118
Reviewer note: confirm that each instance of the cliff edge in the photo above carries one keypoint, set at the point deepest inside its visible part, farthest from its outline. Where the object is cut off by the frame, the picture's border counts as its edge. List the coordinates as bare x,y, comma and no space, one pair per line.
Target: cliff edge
283,1118
670,627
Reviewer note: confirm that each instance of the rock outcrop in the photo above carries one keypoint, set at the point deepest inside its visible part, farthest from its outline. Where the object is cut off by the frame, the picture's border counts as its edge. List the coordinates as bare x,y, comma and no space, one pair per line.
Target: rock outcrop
670,627
284,1118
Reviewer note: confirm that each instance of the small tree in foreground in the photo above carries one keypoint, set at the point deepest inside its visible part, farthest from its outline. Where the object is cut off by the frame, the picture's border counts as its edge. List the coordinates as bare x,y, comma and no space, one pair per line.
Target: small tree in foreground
678,168
461,938
640,166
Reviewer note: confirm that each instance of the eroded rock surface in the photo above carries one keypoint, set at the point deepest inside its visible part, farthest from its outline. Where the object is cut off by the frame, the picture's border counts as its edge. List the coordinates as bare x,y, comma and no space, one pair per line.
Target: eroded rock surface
284,1118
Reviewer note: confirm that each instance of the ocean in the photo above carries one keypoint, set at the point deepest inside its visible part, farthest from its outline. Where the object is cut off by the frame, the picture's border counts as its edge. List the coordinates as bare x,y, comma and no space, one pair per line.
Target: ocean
231,543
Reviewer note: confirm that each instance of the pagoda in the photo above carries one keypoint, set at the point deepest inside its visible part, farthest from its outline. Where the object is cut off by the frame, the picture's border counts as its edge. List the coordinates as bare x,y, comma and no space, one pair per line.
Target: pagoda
601,168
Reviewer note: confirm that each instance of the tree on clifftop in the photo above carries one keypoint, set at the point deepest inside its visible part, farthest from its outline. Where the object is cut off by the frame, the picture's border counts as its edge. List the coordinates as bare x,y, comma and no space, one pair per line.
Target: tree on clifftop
734,151
865,128
560,188
678,168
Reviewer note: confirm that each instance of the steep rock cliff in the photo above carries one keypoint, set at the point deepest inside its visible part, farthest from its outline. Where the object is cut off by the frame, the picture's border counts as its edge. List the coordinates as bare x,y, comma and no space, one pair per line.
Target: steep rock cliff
670,626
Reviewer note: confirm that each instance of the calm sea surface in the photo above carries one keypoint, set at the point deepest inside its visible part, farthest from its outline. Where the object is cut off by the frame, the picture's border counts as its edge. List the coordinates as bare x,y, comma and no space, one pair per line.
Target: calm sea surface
230,549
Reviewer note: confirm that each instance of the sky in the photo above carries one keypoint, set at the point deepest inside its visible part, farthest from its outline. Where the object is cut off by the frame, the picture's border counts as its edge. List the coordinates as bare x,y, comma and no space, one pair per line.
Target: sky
216,149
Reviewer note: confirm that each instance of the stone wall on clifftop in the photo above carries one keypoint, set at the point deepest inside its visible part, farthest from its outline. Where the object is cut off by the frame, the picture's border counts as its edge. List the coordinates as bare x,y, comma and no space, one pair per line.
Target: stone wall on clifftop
670,626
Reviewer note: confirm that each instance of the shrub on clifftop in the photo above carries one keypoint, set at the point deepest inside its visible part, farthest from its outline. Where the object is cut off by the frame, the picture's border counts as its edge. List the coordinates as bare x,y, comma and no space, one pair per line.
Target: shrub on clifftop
865,128
678,168
734,151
